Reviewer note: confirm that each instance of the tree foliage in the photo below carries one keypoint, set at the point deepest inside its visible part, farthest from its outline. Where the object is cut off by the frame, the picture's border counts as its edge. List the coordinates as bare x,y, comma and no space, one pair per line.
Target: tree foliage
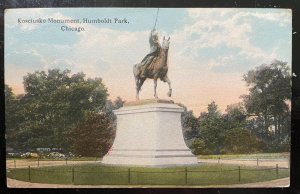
53,102
260,123
241,141
12,116
72,112
211,128
190,125
268,100
93,136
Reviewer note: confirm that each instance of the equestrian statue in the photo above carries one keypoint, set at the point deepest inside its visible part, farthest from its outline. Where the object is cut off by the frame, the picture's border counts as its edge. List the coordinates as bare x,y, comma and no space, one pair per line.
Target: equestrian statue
154,65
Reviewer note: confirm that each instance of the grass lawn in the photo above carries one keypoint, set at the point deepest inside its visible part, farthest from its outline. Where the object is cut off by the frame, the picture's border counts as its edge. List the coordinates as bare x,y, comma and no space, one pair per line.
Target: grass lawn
99,174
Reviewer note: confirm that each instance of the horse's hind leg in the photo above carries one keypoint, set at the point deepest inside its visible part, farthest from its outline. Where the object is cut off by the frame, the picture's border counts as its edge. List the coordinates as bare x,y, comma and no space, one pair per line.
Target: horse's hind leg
155,85
139,82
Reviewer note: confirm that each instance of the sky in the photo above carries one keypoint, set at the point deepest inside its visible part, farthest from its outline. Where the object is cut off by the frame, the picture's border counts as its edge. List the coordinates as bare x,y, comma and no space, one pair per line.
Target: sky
210,48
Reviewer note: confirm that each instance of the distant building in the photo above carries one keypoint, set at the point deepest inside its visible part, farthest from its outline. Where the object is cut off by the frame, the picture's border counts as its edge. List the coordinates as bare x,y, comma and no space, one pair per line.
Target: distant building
9,149
43,149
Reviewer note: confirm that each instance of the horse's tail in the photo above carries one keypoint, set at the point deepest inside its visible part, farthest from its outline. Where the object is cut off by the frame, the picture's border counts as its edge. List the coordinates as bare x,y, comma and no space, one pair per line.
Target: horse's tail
135,70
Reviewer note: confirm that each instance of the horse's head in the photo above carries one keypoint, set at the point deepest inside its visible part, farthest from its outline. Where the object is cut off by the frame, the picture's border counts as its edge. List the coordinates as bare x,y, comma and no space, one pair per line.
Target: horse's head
165,43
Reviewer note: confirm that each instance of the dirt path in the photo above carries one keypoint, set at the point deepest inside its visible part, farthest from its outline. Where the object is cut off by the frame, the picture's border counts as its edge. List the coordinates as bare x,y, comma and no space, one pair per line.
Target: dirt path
284,182
11,183
35,163
282,163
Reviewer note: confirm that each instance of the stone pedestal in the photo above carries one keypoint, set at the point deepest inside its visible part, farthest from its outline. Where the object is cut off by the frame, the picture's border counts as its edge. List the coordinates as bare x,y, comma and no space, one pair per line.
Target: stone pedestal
149,134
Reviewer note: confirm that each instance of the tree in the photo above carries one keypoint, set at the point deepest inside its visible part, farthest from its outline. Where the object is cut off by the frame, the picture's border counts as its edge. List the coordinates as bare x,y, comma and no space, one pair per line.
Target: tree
212,129
53,103
190,125
12,116
269,94
199,147
241,141
92,136
111,106
118,103
235,116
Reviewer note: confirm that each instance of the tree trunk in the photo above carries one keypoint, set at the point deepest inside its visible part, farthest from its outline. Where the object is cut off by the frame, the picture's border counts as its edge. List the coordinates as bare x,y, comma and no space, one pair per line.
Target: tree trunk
267,127
279,128
276,127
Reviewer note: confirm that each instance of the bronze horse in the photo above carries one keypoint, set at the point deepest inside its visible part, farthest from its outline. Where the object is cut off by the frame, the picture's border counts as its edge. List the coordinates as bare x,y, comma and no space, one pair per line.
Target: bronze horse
158,68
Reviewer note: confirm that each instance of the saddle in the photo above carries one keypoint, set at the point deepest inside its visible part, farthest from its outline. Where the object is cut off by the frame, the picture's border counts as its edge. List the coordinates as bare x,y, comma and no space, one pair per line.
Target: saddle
147,69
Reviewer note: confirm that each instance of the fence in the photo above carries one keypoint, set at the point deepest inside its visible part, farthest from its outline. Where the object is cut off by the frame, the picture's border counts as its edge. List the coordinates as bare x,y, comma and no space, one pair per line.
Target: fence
133,176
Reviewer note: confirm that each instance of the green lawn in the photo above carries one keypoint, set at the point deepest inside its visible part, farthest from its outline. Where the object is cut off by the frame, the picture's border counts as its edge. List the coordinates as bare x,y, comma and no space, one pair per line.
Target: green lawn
99,174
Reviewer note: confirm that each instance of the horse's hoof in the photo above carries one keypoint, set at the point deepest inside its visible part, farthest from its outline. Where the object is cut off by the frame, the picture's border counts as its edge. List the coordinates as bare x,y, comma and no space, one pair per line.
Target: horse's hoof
169,94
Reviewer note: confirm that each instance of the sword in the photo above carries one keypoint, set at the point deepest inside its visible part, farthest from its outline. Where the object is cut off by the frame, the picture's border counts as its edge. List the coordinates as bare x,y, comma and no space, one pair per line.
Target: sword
156,18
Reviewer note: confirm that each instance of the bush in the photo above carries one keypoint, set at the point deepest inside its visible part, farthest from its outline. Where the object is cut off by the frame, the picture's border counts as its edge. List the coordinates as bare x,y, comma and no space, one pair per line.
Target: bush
13,155
199,147
93,137
241,141
29,155
56,155
282,146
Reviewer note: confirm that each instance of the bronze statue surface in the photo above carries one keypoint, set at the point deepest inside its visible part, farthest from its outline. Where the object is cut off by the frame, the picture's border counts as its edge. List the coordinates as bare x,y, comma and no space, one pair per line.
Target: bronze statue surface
154,65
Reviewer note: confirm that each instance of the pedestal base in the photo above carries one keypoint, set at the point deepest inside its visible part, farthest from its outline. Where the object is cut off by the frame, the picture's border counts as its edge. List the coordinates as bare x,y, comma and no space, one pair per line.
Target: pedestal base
149,134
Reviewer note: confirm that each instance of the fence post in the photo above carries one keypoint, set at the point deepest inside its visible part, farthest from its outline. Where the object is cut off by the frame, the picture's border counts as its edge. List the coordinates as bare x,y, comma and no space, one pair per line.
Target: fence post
239,174
38,162
129,181
29,177
66,161
15,163
219,160
276,170
186,176
73,175
257,162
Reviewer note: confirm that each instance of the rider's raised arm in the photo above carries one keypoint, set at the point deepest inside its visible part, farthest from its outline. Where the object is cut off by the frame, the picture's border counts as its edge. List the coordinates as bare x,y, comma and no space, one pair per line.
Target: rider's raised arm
153,37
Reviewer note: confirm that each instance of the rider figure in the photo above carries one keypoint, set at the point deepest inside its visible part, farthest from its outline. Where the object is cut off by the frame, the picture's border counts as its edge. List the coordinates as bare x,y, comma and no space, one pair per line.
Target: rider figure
154,50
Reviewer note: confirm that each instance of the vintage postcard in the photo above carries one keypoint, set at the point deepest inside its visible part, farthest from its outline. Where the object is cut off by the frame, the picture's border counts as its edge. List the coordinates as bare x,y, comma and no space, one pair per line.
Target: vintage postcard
148,97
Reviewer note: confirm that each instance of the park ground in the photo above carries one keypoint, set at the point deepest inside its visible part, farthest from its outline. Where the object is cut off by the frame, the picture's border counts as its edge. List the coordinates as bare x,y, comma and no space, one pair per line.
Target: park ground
243,160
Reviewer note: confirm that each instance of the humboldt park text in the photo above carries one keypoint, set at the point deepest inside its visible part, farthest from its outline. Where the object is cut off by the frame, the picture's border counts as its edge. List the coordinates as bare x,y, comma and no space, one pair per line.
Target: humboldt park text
73,21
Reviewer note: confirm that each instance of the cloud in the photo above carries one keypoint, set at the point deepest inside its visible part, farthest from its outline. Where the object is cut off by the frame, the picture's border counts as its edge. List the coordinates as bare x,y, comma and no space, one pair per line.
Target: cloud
227,31
208,54
12,17
29,58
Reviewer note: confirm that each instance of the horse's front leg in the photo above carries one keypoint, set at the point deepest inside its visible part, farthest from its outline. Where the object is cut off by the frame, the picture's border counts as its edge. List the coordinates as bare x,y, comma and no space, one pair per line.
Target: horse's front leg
170,88
155,85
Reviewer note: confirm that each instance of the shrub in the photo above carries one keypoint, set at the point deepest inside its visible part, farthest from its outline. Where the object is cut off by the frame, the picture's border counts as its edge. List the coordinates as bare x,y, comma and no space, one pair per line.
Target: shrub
29,155
56,155
241,141
92,137
199,147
